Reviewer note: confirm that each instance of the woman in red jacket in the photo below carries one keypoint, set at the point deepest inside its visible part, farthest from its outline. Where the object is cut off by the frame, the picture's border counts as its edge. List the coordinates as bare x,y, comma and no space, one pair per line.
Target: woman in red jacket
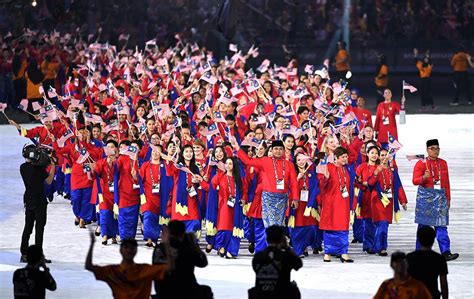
152,173
184,204
385,119
232,192
335,207
387,192
363,173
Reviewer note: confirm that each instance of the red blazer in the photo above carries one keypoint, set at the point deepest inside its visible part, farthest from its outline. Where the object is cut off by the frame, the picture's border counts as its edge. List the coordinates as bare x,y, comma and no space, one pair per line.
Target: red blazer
255,210
225,214
193,204
334,208
436,167
388,110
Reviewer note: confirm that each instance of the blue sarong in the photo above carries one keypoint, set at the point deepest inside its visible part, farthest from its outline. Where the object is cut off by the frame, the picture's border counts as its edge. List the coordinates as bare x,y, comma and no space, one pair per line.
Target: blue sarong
273,208
108,224
431,207
336,242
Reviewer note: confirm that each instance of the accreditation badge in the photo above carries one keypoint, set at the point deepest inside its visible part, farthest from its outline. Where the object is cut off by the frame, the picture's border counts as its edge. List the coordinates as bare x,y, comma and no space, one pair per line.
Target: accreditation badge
155,188
385,121
280,184
304,195
111,186
344,192
231,201
191,191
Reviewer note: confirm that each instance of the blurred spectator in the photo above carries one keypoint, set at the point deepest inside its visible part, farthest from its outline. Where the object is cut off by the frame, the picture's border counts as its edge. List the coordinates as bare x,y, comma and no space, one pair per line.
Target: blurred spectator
181,282
272,267
31,282
381,77
401,285
424,67
461,61
426,265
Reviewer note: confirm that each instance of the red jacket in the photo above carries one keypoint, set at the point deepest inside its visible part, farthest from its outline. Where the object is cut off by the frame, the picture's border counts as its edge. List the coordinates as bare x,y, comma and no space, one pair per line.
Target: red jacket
437,168
79,178
265,165
364,116
106,173
300,218
255,210
386,111
334,208
363,173
43,134
152,200
127,195
225,214
379,212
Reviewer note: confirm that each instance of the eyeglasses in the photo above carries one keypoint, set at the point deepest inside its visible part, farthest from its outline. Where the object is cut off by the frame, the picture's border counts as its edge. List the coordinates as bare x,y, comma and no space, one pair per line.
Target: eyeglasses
434,148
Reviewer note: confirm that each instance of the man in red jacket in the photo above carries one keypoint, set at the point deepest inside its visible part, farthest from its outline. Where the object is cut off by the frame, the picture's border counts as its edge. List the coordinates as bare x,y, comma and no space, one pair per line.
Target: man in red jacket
279,183
432,177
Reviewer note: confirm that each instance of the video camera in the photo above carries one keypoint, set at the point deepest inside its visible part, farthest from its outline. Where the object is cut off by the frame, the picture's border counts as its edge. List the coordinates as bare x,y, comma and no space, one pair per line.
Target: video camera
38,155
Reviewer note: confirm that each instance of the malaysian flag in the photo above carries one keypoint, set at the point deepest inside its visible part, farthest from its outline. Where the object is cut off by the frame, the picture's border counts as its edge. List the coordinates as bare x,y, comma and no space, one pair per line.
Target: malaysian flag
92,118
222,88
301,92
210,130
408,86
201,111
218,117
62,140
36,106
253,85
3,106
249,141
288,111
209,78
306,127
291,71
309,69
213,162
23,105
113,126
83,155
108,151
264,66
130,151
269,133
415,157
322,166
181,167
226,98
306,158
238,88
393,143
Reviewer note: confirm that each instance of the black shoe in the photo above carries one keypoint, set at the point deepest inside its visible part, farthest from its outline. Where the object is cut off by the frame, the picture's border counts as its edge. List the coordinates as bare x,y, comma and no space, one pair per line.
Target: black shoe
208,248
382,253
96,232
76,222
114,241
326,260
60,193
305,253
47,261
252,247
23,259
104,242
67,196
355,241
315,251
301,256
370,251
346,260
219,253
50,198
450,256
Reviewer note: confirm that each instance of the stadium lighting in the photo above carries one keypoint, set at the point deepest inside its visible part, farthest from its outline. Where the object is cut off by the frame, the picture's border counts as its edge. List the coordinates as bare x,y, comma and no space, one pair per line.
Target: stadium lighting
34,3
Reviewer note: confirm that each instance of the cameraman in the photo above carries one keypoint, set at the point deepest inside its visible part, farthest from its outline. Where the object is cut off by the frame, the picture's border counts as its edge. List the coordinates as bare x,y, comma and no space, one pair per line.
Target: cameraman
34,174
30,282
272,267
181,282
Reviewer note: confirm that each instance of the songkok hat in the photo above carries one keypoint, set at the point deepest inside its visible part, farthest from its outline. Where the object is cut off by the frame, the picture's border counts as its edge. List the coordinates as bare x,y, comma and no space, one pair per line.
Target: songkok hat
276,143
432,142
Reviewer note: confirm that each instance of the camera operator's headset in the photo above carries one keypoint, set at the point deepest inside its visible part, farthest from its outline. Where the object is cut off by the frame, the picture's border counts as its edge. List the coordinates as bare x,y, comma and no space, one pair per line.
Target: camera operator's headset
29,152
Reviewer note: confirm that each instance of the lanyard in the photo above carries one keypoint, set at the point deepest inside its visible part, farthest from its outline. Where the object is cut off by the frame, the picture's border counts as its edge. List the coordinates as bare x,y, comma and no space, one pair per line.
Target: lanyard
383,110
151,173
108,170
275,170
339,177
132,166
305,186
432,171
385,186
228,185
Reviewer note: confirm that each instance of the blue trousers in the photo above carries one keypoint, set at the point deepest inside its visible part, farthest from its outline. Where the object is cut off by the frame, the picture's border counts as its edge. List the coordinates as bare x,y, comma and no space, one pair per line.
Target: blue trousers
151,226
318,239
336,242
249,230
59,180
441,236
381,236
260,235
302,237
108,224
67,183
128,221
369,235
358,230
81,205
231,244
